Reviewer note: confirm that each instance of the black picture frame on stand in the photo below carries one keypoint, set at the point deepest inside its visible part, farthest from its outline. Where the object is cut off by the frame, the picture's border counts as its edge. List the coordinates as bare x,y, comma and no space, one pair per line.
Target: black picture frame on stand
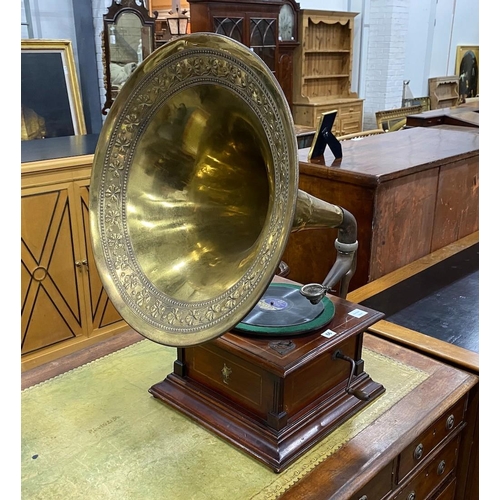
324,136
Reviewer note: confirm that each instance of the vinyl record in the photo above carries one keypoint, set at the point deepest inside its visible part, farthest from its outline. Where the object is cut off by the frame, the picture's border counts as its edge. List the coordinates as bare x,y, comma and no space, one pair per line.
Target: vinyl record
283,306
282,310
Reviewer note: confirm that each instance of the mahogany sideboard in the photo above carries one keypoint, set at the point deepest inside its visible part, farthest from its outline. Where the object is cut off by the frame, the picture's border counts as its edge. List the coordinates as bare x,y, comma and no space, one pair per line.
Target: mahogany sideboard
412,192
63,304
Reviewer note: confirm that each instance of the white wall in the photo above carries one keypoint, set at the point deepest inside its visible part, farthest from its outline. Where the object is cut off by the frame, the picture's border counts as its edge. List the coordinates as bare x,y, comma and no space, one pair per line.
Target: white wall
434,31
341,5
51,19
420,38
99,9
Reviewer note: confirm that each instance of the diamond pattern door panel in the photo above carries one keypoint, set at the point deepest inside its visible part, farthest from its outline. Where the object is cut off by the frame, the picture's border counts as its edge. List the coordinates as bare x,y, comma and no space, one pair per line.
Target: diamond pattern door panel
103,311
50,285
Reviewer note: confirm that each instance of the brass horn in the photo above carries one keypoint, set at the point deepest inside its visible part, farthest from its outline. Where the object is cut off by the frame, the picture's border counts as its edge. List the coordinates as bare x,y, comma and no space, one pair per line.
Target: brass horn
194,192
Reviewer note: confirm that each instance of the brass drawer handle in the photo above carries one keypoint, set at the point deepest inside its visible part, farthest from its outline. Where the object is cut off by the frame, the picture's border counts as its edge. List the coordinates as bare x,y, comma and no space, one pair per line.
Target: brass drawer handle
419,452
364,497
411,496
450,422
441,467
80,263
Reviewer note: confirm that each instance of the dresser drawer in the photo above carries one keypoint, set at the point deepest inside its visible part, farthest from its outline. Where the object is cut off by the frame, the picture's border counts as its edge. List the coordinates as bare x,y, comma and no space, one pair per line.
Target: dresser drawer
449,492
378,487
345,110
350,124
432,476
420,448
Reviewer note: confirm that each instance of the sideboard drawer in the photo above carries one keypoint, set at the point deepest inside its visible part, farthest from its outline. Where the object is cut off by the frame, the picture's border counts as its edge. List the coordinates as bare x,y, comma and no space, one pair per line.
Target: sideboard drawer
432,476
420,448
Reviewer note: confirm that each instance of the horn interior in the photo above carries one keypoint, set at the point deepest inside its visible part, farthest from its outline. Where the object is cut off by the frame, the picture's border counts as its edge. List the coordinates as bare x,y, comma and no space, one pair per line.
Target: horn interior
199,193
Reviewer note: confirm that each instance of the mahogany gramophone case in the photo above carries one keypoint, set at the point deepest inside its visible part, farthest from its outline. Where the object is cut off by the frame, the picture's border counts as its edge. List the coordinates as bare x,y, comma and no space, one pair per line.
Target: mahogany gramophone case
275,397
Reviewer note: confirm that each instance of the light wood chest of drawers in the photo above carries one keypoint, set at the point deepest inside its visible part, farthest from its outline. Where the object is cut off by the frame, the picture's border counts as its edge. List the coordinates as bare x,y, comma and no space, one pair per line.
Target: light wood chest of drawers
349,115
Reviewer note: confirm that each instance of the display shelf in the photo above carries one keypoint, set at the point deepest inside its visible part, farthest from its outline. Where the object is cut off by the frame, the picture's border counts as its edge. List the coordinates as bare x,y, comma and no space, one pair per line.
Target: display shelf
324,71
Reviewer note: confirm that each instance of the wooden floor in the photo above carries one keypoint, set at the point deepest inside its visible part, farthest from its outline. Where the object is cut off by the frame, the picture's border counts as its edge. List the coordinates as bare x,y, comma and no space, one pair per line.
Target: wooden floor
66,363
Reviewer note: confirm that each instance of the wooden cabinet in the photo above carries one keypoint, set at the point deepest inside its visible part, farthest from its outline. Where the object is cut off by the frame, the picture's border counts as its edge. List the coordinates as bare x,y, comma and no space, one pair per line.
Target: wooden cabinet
268,27
323,71
412,191
443,92
63,304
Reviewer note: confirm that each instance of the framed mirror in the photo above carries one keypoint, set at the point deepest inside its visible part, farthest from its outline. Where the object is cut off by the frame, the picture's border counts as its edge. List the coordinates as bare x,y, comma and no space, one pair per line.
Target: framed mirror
128,38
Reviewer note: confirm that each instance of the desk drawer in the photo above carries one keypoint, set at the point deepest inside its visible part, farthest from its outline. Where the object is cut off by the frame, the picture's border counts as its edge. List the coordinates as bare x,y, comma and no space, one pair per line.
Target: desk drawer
449,492
420,448
431,477
378,487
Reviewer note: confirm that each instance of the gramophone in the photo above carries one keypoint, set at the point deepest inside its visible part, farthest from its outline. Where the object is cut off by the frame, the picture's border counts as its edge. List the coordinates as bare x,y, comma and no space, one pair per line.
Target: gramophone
193,195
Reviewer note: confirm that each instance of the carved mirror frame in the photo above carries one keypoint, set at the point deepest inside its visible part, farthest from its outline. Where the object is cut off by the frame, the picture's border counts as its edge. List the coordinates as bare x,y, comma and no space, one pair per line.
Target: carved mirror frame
131,54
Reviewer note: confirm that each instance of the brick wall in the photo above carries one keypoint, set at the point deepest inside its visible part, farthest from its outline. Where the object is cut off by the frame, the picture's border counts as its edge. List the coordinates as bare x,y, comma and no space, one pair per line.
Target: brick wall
99,9
385,64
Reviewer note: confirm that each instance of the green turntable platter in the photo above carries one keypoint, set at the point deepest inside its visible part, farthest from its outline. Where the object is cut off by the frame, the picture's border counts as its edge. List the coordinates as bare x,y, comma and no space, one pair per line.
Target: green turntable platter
284,311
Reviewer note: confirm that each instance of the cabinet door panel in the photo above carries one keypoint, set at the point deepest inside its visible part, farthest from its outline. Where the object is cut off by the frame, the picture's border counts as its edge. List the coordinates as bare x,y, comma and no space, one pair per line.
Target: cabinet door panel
456,216
51,284
102,311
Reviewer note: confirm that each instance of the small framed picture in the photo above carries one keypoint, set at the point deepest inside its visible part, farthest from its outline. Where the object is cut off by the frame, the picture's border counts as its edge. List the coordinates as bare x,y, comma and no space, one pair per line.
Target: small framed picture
324,136
51,104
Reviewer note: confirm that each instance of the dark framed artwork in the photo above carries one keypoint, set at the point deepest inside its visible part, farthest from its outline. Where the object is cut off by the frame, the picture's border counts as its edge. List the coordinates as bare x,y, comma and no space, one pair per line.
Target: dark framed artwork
51,104
467,69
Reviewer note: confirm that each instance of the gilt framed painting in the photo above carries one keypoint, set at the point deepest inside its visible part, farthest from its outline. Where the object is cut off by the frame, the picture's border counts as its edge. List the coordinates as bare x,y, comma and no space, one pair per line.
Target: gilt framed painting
467,69
51,104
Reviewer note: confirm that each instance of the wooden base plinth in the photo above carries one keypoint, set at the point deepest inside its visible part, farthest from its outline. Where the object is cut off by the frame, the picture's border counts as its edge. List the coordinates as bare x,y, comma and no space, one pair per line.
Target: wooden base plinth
274,398
275,449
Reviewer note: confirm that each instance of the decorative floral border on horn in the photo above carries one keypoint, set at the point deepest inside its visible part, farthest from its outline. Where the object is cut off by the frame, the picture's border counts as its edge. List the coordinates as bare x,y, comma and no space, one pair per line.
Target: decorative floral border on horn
187,67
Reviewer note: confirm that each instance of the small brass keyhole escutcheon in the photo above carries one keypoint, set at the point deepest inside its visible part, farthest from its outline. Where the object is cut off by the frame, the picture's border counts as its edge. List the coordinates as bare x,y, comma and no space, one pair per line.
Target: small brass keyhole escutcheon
226,372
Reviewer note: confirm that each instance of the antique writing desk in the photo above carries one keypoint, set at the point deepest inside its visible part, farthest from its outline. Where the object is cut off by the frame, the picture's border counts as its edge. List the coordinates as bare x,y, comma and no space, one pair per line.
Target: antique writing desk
407,453
402,188
465,115
432,306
